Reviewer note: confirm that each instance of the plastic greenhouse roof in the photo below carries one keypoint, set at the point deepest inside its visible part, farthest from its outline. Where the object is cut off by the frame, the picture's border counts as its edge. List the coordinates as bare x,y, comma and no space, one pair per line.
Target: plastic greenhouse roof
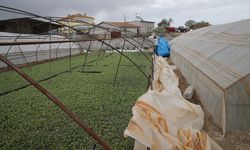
10,37
222,52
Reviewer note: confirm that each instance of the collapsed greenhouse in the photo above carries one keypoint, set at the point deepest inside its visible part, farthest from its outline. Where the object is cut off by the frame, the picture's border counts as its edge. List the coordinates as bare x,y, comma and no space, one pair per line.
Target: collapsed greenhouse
81,73
98,76
216,61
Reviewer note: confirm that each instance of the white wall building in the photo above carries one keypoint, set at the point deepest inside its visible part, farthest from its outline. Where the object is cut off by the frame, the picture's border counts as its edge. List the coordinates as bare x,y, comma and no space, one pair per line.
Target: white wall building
146,27
115,29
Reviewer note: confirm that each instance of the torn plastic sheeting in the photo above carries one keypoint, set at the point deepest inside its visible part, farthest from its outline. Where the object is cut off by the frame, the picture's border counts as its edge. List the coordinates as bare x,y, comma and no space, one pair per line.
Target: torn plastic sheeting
163,119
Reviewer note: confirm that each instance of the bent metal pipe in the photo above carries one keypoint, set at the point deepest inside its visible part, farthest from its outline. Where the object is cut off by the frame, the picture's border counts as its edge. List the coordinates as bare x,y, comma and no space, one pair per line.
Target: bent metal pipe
72,115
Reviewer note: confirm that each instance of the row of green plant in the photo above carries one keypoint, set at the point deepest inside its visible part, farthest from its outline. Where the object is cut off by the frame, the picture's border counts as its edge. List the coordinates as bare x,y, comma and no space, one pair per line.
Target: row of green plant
28,120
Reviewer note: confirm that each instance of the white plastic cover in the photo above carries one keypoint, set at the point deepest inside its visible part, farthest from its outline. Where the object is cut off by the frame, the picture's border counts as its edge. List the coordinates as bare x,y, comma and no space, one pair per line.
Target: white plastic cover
21,54
216,60
163,119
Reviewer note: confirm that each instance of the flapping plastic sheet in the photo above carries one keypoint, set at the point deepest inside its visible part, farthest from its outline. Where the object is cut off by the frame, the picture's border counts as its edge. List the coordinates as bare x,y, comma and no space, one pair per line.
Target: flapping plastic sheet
163,119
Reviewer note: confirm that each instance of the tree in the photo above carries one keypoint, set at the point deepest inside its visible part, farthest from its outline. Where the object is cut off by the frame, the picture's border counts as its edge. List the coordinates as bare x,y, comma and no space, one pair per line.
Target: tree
165,23
190,24
201,24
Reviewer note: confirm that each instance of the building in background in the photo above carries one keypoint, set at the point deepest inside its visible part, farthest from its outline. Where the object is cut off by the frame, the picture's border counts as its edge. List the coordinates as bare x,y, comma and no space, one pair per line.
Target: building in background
28,26
146,27
115,29
78,21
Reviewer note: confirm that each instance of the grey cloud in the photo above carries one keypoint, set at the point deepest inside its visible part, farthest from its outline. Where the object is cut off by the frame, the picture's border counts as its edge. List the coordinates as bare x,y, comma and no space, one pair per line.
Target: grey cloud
214,11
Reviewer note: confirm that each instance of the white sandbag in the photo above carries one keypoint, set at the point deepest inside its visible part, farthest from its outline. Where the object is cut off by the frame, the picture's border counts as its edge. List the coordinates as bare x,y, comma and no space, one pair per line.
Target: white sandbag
189,92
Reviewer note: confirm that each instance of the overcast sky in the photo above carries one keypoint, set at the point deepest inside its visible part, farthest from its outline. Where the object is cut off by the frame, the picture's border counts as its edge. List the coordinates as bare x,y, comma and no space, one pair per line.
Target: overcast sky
213,11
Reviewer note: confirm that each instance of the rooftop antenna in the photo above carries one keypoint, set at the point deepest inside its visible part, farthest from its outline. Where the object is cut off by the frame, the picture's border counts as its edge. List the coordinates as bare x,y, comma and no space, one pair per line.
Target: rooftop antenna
138,17
125,20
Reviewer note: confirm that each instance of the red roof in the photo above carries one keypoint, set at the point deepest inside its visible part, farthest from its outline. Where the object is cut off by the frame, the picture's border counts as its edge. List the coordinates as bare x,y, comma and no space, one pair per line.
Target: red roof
122,24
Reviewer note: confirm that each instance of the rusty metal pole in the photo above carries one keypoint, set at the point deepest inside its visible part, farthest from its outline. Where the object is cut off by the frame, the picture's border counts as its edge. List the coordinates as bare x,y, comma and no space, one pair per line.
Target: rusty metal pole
86,56
31,14
99,53
72,115
119,63
70,48
50,65
24,56
57,50
38,49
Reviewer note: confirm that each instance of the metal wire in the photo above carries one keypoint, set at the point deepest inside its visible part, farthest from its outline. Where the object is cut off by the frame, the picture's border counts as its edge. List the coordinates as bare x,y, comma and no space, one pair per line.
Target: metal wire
118,66
57,102
49,95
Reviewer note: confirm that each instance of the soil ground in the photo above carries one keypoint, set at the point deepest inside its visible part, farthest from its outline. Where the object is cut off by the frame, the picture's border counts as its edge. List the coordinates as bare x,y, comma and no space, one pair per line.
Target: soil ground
233,140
